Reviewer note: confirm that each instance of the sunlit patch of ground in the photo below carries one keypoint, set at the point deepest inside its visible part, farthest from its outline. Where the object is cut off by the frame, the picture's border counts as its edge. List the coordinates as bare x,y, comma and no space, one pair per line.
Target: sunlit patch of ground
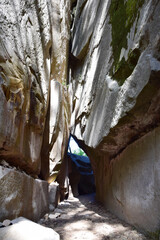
84,219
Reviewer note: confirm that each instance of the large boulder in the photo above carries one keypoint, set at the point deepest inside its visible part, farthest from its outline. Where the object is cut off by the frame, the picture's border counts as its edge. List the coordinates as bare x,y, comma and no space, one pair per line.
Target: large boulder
34,40
22,195
22,228
25,42
116,83
34,101
115,77
131,183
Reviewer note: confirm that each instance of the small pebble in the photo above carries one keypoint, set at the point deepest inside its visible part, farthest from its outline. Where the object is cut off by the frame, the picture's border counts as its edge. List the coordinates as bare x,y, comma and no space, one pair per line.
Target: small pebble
6,222
46,216
53,216
4,163
57,210
41,221
51,208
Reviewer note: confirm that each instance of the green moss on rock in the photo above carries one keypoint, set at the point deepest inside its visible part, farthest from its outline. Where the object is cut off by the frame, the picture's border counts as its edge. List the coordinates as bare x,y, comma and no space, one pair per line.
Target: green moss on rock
122,16
125,68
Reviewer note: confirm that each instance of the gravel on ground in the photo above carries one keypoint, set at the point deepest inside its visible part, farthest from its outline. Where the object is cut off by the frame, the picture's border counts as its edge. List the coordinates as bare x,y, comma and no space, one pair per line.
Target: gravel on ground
84,219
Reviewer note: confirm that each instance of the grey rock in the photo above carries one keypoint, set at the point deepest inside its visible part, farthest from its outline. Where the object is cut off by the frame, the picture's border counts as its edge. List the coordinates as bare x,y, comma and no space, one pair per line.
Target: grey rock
102,101
31,59
46,216
6,223
132,188
54,215
41,221
64,204
4,163
24,78
84,25
114,107
34,39
25,229
57,210
54,193
22,195
51,208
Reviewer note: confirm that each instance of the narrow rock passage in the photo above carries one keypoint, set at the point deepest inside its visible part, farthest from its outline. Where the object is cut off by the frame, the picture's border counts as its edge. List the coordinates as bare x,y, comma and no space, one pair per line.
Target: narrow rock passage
84,219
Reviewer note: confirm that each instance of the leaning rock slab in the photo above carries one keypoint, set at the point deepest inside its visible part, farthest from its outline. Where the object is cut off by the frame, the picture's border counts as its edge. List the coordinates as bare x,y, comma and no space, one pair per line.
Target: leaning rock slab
54,193
21,195
25,229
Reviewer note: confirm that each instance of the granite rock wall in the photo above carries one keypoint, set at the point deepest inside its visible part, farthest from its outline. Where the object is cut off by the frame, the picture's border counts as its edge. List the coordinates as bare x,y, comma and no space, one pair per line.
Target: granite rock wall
129,185
115,78
34,97
103,84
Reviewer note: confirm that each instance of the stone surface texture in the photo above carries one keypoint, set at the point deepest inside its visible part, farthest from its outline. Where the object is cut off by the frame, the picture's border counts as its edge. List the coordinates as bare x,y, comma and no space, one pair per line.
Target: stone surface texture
24,229
103,85
54,194
84,218
131,183
115,78
103,105
34,39
34,100
22,195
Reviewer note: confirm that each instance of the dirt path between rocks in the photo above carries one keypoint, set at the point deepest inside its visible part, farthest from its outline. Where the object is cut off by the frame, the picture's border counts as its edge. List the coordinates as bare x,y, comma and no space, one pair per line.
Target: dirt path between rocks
84,219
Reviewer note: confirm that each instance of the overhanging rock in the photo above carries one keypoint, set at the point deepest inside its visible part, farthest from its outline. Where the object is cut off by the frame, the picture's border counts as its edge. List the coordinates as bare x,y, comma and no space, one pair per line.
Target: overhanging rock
115,77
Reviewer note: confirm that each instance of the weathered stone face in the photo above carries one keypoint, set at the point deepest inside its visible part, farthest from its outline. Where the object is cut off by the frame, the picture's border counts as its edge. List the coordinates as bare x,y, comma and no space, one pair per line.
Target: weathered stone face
25,74
129,186
34,97
34,39
102,100
21,195
115,77
54,194
60,91
22,228
113,88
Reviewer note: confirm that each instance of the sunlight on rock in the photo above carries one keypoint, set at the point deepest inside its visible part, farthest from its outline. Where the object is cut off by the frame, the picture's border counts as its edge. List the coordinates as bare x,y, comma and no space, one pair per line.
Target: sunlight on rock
87,70
25,229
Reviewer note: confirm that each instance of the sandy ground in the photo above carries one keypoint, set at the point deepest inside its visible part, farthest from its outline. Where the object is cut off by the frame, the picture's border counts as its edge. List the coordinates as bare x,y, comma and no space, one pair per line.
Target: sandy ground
84,219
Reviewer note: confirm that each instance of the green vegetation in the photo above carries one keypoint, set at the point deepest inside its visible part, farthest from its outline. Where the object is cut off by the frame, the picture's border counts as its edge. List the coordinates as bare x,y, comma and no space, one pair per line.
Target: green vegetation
154,235
79,152
122,16
125,68
64,84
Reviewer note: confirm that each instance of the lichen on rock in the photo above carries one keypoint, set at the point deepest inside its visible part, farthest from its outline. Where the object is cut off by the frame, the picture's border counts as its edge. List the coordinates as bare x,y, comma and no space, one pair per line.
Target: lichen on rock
122,16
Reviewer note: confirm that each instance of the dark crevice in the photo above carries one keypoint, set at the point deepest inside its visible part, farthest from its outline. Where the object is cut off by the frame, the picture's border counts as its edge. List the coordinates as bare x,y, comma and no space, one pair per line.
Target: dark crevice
81,176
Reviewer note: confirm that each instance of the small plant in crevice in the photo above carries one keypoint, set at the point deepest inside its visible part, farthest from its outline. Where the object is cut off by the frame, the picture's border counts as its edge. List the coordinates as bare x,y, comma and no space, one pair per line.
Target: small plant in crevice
64,84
